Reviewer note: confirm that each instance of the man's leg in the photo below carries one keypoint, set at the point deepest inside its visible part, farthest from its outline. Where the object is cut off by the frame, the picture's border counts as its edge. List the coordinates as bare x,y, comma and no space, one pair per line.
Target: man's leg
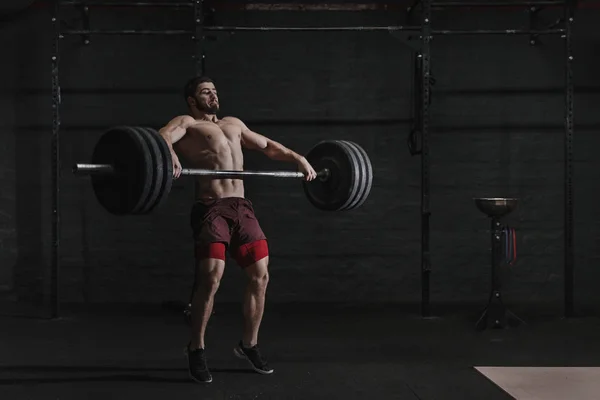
209,274
254,259
210,265
254,300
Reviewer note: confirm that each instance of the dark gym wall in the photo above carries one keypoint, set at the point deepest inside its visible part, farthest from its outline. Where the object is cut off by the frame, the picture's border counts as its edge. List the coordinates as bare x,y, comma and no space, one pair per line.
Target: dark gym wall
497,113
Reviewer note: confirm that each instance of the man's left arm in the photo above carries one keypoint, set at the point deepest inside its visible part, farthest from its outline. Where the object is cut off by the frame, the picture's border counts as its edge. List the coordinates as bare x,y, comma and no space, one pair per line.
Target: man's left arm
274,150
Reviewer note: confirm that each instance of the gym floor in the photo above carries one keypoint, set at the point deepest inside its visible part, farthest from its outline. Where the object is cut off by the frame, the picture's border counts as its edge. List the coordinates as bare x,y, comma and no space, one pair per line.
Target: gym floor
322,352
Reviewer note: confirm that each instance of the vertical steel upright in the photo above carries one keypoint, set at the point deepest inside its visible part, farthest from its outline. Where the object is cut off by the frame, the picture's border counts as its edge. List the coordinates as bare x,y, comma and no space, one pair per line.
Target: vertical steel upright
55,169
199,37
425,162
568,154
199,69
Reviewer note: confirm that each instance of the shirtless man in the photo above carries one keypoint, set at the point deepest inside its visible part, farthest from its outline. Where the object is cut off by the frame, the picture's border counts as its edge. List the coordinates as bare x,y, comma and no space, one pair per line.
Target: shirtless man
221,218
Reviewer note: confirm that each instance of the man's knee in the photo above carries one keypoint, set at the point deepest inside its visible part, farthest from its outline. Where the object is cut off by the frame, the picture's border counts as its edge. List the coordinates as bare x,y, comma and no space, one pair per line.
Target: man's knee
260,280
209,281
210,284
258,273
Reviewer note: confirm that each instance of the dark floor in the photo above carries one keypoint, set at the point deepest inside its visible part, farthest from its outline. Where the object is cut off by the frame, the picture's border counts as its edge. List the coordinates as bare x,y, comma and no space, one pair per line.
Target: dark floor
323,353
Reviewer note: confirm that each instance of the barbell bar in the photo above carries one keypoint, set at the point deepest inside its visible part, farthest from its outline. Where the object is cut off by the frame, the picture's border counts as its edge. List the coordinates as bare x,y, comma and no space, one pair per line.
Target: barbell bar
131,172
100,169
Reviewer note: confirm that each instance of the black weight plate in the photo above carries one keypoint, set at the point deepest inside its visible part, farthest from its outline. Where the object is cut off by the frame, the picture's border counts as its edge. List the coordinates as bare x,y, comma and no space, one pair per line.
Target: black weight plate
167,174
359,172
149,175
157,169
124,191
366,173
369,186
333,193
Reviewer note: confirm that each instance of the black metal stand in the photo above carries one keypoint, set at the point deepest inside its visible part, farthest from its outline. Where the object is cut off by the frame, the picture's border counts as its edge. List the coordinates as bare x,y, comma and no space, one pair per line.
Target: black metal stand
496,314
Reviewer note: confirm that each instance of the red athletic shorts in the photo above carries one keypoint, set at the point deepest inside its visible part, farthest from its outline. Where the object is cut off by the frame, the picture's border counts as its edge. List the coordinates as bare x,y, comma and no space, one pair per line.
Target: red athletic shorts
228,224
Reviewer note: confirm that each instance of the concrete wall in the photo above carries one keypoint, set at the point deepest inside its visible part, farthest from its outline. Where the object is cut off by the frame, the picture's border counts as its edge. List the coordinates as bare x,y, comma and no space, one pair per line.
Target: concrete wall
497,114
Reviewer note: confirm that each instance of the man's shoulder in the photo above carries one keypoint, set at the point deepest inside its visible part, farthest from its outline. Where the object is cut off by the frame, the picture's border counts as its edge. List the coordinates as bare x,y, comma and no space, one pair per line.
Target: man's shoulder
186,118
234,121
231,118
182,119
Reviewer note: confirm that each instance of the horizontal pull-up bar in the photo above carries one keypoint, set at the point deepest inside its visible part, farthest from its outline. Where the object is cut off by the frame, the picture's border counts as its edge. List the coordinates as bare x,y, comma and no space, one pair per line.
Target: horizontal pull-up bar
499,3
126,32
237,29
314,29
329,6
326,6
125,4
499,32
309,28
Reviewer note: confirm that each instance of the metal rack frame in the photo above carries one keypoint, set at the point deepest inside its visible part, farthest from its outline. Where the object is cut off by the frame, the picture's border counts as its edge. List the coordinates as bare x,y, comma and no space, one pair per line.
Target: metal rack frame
427,33
196,34
424,121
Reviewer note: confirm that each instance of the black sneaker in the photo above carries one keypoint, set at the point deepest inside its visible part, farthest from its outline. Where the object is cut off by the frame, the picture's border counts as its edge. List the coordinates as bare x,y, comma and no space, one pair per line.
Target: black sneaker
197,365
253,356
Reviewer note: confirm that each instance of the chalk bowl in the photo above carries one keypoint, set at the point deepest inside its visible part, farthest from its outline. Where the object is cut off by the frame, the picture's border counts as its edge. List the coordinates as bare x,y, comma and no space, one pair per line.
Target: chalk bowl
496,206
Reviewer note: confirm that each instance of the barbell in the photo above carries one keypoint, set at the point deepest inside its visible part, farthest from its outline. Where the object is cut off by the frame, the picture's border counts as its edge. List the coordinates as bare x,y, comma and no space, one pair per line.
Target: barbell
131,172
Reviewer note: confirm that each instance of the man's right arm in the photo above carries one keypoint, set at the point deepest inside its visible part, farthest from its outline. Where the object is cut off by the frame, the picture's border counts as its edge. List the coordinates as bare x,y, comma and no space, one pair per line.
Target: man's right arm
175,129
172,133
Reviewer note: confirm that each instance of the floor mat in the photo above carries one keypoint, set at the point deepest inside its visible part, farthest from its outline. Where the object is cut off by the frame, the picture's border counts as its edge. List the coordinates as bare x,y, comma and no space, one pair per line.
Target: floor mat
547,383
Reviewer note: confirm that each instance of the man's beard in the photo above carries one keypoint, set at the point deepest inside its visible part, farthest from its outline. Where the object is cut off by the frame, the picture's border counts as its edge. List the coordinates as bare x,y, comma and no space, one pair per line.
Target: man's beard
208,109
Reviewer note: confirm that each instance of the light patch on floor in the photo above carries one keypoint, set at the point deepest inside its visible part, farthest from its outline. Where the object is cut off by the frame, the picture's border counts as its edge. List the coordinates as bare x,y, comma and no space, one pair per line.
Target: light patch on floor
546,383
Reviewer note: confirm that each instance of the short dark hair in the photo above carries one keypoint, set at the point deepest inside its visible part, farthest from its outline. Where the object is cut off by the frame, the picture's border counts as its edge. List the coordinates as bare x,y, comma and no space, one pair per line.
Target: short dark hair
192,85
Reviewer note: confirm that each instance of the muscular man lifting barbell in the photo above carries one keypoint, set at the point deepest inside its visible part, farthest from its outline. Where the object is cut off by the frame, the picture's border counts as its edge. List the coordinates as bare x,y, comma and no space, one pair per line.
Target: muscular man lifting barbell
221,217
132,169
